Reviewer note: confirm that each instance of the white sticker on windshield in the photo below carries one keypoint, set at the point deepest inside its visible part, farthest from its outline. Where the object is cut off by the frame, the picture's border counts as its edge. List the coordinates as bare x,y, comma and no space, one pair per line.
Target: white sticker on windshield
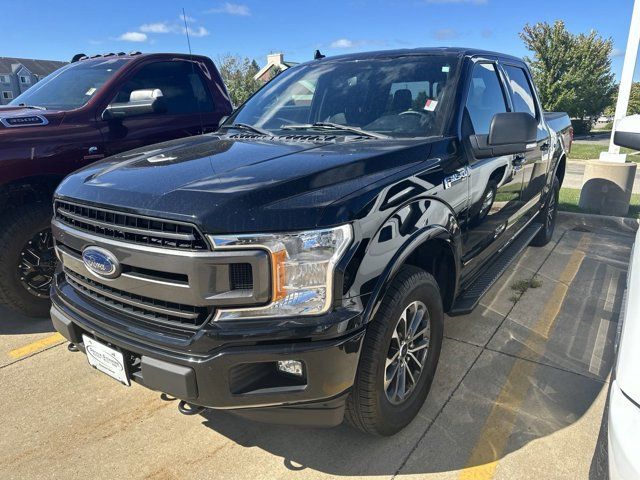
445,69
431,105
91,91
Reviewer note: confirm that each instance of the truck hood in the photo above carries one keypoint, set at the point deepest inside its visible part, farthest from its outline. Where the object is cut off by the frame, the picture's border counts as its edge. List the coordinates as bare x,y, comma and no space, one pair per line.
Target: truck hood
13,118
238,184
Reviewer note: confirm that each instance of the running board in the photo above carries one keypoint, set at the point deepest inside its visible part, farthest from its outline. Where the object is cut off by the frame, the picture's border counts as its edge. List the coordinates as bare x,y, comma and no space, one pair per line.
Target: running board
470,298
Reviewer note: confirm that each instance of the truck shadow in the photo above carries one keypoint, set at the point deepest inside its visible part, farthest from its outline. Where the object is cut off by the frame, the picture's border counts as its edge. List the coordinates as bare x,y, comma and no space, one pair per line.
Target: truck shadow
12,323
424,447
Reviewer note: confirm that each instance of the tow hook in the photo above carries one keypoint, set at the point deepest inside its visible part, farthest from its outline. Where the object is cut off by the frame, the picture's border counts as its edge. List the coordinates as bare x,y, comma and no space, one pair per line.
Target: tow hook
186,408
72,347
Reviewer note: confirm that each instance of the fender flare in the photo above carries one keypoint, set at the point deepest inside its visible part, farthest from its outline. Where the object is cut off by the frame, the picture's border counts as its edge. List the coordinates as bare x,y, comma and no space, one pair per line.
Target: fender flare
432,232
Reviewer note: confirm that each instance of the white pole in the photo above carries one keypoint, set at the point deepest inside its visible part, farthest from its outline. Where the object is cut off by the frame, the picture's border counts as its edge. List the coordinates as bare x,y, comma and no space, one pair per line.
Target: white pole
626,79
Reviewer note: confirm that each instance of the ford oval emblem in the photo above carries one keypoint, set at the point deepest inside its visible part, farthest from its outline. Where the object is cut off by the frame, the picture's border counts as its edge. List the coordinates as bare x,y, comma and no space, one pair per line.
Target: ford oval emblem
101,262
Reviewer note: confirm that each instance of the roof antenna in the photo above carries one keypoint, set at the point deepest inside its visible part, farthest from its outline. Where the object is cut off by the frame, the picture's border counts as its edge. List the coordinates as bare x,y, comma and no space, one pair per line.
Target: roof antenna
318,55
193,68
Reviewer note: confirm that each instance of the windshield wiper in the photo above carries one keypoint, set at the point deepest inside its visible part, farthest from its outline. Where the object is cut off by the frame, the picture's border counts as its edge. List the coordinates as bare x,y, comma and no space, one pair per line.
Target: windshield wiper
246,126
34,107
335,126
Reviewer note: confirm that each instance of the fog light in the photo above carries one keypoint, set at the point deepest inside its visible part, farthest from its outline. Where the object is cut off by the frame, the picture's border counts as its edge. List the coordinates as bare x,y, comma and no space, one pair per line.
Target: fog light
293,367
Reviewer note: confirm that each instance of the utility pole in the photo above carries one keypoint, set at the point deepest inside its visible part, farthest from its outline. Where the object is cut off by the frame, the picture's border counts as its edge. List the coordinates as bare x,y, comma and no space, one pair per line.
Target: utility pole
626,79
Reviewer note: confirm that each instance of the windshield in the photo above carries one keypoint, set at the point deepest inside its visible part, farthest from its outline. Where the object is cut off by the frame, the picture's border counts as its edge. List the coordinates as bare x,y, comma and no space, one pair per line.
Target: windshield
70,86
405,96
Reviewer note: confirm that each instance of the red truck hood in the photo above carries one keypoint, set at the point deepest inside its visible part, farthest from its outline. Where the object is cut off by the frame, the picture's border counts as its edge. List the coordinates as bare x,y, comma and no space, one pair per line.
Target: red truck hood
11,116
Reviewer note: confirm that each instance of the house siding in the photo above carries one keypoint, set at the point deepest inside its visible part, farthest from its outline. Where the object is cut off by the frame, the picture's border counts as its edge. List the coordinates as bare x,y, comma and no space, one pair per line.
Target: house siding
11,69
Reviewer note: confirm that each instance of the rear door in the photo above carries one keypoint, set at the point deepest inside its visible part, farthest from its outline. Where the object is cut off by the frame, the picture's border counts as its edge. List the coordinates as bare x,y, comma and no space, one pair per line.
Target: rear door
535,163
190,109
495,184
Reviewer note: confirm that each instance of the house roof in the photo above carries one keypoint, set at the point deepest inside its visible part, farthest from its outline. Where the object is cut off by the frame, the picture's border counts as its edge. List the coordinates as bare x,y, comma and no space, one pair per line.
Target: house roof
37,67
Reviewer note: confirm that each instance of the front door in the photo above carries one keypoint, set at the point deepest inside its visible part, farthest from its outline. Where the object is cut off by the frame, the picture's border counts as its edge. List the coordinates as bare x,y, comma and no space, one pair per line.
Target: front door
495,184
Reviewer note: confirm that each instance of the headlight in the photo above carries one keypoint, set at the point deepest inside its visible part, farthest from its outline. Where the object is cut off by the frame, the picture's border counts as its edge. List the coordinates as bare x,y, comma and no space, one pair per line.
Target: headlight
302,266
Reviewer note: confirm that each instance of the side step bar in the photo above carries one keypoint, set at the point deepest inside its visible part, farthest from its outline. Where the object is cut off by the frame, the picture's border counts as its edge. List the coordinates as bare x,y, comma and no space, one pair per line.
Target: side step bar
470,298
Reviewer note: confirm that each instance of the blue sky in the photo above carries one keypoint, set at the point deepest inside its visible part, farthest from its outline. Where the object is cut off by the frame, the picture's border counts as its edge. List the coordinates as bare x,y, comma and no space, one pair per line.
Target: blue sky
57,30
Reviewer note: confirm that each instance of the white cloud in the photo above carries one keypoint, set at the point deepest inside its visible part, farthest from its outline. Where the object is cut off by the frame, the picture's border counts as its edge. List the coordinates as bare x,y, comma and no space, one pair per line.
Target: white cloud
343,43
158,27
475,2
198,32
616,52
232,9
133,37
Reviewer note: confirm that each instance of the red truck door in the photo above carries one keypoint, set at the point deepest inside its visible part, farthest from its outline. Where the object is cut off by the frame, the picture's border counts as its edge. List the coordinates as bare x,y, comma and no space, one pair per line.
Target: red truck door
190,108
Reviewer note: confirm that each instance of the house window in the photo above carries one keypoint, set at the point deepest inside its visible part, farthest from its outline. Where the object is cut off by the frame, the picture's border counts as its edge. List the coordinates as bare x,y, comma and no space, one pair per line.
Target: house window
7,95
25,80
4,78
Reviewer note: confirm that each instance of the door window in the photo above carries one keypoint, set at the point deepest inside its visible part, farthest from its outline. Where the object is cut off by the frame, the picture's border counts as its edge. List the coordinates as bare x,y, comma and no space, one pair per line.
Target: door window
485,98
182,86
521,91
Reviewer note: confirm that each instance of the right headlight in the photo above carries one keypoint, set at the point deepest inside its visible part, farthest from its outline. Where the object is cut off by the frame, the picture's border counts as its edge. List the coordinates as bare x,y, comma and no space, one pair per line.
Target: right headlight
302,266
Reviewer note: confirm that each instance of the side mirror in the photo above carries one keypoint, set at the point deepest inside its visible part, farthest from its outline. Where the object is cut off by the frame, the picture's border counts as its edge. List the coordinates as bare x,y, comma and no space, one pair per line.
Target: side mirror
628,132
140,102
510,133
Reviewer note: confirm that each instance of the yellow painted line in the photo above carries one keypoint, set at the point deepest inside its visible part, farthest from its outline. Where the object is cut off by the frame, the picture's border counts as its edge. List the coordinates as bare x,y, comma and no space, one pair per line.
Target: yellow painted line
37,345
495,433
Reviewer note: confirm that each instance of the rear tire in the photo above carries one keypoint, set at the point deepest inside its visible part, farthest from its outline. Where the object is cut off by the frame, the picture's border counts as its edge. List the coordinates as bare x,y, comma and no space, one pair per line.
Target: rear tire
23,288
375,405
549,214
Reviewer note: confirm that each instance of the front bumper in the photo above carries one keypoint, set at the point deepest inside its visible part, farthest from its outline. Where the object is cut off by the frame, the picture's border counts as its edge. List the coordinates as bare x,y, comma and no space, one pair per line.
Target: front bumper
239,378
624,436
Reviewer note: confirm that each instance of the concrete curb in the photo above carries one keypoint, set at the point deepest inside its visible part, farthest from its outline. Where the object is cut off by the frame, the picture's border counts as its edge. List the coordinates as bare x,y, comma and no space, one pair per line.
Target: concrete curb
628,225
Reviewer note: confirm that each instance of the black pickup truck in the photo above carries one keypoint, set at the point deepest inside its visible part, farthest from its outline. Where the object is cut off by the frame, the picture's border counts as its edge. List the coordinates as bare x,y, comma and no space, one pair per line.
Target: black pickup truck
296,265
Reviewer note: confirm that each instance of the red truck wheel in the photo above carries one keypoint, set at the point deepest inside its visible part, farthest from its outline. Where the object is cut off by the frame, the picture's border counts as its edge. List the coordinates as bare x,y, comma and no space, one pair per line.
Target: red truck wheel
27,260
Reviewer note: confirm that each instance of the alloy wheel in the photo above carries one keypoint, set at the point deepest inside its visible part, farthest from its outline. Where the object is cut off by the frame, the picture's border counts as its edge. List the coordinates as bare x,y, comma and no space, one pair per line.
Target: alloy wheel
407,352
37,264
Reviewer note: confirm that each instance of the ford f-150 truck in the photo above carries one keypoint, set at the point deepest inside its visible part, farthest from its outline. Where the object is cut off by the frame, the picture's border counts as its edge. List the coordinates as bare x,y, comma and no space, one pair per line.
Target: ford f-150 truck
87,110
296,265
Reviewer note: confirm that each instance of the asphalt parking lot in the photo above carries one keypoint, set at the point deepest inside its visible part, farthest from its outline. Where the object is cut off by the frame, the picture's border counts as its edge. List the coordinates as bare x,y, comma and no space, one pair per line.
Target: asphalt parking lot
520,393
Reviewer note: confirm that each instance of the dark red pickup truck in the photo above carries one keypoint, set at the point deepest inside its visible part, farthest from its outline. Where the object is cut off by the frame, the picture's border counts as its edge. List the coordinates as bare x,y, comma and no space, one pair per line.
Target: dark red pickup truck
87,110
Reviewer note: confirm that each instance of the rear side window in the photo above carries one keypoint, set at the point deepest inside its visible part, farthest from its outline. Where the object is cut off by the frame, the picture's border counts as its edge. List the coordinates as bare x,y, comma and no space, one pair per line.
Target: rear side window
521,91
485,98
182,86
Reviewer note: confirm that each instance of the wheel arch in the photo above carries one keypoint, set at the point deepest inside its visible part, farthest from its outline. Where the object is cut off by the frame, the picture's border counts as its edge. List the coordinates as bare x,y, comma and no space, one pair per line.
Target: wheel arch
435,250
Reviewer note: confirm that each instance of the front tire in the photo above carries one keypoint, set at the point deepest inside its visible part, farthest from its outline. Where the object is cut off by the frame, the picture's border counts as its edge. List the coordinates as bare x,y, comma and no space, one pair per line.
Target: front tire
27,259
399,355
549,214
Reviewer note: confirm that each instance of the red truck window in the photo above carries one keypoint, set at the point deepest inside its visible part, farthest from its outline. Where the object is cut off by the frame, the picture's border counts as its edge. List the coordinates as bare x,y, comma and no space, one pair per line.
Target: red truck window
182,86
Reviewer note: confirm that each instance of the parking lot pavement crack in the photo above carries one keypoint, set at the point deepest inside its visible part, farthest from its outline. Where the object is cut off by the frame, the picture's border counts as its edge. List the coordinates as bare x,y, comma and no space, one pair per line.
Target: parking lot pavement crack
549,365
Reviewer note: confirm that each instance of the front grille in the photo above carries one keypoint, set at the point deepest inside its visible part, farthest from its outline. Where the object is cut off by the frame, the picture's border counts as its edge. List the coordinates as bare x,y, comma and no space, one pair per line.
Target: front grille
130,228
240,276
150,311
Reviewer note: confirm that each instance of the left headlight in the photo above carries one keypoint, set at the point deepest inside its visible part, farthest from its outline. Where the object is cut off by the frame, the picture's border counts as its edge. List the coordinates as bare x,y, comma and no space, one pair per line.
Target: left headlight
302,267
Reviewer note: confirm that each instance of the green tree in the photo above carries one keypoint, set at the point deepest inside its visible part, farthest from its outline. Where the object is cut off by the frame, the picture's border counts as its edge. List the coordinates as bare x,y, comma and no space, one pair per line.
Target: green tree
238,75
572,72
634,101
